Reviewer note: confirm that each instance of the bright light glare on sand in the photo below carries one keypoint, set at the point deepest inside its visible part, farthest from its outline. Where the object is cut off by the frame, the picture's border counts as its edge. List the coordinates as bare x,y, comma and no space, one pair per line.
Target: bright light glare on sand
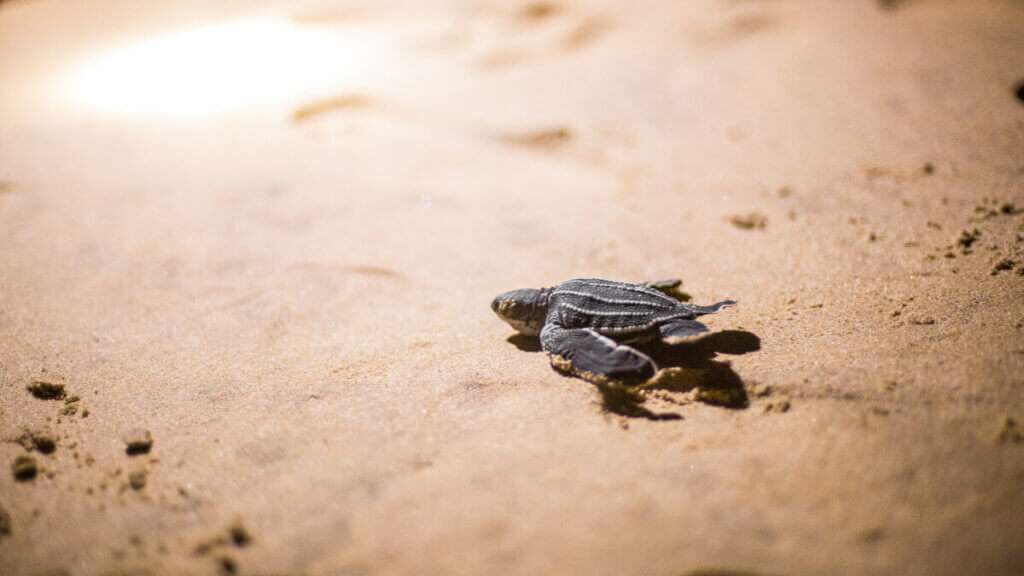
213,70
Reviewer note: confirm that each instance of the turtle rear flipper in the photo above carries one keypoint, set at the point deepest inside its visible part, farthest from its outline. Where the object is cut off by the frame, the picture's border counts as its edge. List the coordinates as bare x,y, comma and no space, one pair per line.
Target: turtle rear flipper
682,330
702,310
584,352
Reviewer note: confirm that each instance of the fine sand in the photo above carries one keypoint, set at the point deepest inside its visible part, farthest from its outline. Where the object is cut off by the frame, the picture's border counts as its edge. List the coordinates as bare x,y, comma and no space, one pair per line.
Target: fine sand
247,251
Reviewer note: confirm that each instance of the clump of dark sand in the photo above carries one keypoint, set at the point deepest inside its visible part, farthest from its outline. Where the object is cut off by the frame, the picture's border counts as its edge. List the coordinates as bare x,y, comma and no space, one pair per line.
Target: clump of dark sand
137,479
735,398
71,406
889,4
752,221
47,390
239,535
39,441
137,441
228,565
1004,264
24,468
1010,433
777,406
993,208
967,239
5,522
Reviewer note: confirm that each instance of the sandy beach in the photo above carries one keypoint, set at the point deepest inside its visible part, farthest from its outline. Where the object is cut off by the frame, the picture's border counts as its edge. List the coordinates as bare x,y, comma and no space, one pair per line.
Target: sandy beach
247,252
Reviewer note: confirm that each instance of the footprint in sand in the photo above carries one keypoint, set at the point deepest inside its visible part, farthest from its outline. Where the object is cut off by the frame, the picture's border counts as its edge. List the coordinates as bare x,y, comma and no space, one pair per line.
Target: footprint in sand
372,271
538,11
543,139
537,31
731,25
319,108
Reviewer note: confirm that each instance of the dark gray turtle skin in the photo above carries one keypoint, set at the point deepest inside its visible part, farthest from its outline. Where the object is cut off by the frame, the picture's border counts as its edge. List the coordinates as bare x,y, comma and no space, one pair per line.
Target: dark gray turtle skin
586,325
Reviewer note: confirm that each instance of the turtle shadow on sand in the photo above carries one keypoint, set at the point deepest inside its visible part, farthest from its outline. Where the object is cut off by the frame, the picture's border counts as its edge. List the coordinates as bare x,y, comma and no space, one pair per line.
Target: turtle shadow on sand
690,368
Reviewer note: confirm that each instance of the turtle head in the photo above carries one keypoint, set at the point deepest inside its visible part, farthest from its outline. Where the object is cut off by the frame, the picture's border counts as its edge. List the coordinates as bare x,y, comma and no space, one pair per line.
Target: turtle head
524,310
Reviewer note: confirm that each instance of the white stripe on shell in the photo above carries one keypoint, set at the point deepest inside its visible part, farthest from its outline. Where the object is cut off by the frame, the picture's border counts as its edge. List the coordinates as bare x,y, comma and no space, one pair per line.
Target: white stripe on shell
637,289
582,310
605,300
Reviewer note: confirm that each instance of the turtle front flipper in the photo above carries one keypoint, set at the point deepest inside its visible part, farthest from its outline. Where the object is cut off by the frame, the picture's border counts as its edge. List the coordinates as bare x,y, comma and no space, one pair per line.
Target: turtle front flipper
664,285
591,356
669,288
682,330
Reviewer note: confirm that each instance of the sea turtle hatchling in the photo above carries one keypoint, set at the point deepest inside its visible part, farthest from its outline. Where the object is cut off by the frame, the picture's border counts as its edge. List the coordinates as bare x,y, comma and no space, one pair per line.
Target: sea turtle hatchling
585,325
